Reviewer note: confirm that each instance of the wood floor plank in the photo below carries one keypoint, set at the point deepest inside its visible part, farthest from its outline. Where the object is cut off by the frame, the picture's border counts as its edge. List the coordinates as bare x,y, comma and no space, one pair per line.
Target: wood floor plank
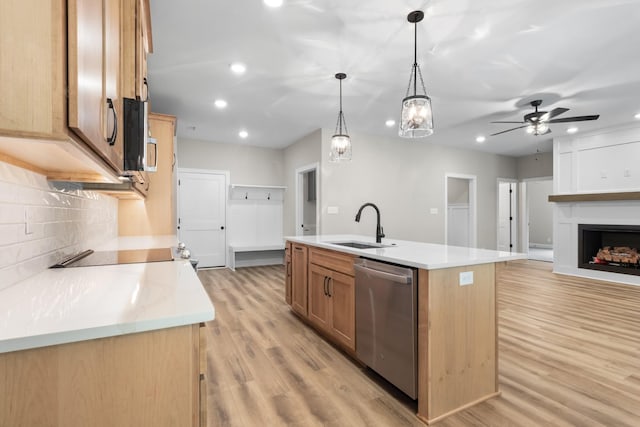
569,356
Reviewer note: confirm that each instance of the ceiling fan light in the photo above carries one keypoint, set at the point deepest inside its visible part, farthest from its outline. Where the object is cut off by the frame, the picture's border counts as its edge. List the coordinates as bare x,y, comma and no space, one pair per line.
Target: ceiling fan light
531,129
416,117
340,148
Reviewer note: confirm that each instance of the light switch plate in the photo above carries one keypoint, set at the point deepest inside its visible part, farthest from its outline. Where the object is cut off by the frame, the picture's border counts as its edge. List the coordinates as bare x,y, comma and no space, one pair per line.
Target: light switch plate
332,210
433,211
466,278
28,220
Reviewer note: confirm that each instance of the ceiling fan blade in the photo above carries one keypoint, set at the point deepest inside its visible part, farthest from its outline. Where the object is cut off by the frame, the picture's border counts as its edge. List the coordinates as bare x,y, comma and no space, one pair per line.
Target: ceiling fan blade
553,113
509,122
575,119
508,130
548,131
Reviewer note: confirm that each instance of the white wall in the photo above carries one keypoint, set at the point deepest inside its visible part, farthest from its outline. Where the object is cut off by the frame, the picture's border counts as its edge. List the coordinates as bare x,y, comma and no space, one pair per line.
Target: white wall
540,212
304,152
64,222
535,166
246,164
405,179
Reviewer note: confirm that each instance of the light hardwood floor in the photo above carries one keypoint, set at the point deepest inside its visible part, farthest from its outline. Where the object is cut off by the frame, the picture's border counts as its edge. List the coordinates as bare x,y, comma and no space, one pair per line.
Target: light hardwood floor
569,353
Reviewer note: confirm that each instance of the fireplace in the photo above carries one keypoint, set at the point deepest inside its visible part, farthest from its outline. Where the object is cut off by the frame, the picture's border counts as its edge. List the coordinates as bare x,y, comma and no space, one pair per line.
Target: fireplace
612,248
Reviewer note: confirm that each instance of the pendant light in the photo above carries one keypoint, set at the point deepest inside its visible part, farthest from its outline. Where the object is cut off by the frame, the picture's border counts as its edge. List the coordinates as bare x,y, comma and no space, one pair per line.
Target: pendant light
340,142
416,119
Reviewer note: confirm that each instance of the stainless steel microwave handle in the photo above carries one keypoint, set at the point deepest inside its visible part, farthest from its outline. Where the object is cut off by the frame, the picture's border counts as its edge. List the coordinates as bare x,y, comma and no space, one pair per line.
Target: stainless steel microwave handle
384,275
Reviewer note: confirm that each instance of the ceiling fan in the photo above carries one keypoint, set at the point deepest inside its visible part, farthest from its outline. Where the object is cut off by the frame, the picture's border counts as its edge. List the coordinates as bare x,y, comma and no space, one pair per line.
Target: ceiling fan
537,123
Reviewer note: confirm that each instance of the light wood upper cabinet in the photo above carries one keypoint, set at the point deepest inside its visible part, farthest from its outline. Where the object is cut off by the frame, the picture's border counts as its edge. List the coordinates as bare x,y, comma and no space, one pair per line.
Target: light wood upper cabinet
63,66
136,45
156,214
93,74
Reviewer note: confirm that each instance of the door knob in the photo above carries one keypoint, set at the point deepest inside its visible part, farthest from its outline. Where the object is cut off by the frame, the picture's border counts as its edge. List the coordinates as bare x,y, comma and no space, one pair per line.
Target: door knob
222,227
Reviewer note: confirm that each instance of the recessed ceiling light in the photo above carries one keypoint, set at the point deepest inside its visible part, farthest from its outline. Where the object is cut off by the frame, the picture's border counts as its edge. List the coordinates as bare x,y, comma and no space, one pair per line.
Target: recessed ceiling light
238,68
572,129
389,123
273,3
220,103
243,134
481,139
637,116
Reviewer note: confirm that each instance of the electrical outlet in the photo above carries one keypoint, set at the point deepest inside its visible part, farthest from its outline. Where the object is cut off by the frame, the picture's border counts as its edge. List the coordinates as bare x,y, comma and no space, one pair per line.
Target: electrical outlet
28,220
627,173
603,174
466,278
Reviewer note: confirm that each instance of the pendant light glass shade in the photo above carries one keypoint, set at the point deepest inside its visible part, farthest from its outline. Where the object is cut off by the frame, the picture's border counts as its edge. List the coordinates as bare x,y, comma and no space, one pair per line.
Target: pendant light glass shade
416,119
340,141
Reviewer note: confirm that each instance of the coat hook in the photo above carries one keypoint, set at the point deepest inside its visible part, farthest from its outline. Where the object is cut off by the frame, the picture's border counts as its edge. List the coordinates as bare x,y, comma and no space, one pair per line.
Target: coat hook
269,196
246,196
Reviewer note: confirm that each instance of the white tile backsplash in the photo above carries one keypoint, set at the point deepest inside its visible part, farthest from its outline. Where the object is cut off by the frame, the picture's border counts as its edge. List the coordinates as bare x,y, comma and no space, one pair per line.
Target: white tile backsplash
65,220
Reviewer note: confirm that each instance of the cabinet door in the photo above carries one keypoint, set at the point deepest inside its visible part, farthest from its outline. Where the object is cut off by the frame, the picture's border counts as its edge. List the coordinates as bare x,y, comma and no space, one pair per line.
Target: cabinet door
299,278
86,55
287,273
319,303
343,313
113,118
92,115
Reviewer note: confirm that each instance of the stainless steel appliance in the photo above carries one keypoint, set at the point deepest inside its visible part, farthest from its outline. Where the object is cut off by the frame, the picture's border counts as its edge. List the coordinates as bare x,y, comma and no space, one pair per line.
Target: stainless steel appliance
387,322
140,150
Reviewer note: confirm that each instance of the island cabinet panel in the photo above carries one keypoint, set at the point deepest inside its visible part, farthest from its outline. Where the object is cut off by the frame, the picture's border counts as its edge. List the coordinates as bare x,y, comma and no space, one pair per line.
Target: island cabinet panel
144,379
343,309
319,302
457,333
299,257
287,273
332,295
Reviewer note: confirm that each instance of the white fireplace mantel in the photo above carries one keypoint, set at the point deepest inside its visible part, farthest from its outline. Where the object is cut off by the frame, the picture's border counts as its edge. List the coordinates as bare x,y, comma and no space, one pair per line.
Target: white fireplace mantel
596,181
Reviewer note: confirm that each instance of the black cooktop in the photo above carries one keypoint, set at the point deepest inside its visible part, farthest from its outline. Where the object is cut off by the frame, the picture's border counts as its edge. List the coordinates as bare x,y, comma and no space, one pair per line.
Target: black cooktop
131,256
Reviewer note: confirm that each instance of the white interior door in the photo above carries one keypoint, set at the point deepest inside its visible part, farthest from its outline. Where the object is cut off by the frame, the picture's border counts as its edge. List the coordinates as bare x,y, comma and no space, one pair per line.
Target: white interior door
458,230
307,195
201,216
507,231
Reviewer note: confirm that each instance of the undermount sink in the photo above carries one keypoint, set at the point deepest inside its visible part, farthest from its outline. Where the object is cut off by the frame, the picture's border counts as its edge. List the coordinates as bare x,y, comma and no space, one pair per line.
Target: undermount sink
360,245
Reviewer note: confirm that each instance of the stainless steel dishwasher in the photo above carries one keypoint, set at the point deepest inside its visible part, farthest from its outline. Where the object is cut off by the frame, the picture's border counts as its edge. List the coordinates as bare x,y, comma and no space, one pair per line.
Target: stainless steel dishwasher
386,321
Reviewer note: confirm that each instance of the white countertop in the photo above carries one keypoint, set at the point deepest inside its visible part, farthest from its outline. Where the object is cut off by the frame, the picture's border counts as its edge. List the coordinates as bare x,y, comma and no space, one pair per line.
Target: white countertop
429,256
75,304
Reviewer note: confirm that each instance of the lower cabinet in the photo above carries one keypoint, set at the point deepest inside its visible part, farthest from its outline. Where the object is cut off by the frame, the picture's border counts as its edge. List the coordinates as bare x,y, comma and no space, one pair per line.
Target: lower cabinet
150,378
299,255
332,304
287,272
323,291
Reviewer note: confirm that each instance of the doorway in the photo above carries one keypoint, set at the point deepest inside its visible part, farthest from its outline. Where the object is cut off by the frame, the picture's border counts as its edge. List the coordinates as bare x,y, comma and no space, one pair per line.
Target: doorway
307,191
507,239
202,206
539,219
461,208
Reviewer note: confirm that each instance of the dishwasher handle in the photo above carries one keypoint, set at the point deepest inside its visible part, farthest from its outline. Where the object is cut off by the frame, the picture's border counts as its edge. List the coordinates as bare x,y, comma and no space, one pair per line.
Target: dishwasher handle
396,278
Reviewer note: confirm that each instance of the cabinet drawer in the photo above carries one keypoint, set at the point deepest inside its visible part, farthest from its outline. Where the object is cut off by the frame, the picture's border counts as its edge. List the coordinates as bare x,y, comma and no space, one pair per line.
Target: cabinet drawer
332,260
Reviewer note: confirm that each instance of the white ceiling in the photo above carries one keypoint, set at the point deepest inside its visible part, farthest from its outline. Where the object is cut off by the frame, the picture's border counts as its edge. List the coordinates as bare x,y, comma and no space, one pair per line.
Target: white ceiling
482,60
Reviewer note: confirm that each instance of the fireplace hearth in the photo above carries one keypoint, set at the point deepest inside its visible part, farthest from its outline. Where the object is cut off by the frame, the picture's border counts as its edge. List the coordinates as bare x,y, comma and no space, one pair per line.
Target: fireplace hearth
612,248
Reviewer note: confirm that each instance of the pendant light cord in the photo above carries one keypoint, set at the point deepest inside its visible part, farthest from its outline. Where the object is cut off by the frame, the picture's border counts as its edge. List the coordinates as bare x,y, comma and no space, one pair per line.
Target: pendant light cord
415,58
340,114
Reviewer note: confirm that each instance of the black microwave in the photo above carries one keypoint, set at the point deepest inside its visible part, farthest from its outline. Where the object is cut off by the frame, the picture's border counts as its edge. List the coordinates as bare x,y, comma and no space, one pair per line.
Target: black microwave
140,150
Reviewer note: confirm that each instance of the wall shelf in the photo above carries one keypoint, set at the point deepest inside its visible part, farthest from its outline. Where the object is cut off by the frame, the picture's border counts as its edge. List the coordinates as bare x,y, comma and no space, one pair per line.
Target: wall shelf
594,197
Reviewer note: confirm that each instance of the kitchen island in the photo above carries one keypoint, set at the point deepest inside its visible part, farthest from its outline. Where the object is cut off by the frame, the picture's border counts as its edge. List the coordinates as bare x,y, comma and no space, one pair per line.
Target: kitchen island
457,357
104,345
